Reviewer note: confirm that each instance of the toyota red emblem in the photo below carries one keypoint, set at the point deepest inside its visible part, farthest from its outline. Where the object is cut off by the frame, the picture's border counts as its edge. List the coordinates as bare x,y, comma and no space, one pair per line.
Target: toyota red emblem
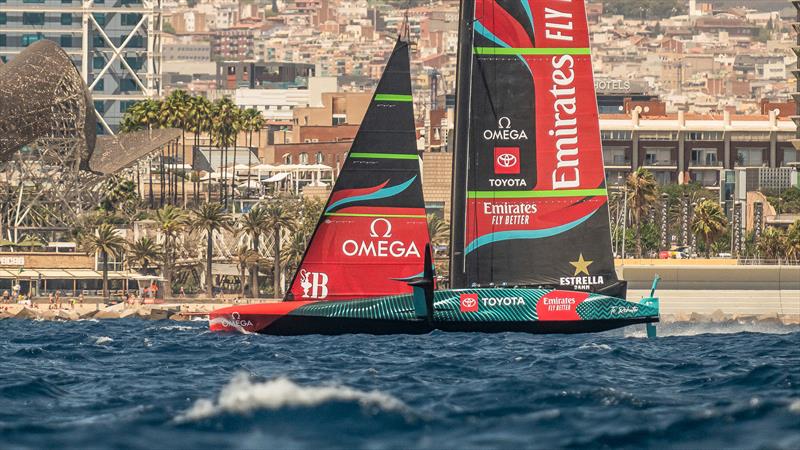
506,160
468,302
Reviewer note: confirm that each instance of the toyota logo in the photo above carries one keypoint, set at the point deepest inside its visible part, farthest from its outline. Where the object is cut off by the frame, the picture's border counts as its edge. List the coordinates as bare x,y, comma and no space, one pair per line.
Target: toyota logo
468,302
506,160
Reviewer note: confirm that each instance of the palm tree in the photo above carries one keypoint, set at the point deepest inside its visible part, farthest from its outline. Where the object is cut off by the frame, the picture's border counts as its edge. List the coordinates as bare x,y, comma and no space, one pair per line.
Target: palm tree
199,121
170,221
438,229
793,241
144,252
226,125
772,244
106,241
278,219
175,113
254,224
709,222
293,253
641,186
246,259
210,217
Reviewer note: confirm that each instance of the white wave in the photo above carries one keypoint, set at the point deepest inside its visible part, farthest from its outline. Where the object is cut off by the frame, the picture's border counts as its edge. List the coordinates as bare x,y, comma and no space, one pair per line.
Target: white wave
694,328
102,340
199,319
87,320
176,328
242,395
795,406
593,346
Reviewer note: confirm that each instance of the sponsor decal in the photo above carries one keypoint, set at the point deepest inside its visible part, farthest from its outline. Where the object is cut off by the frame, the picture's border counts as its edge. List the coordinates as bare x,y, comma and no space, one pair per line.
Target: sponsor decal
380,245
468,303
633,309
502,301
510,212
560,305
314,284
236,321
584,282
506,160
504,132
566,174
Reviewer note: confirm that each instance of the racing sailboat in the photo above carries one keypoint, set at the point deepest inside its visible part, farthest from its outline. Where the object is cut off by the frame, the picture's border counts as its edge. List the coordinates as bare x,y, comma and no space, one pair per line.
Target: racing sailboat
530,243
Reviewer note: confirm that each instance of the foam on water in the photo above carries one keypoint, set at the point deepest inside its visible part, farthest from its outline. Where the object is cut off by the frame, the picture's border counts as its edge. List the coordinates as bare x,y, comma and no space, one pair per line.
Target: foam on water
102,340
242,395
728,327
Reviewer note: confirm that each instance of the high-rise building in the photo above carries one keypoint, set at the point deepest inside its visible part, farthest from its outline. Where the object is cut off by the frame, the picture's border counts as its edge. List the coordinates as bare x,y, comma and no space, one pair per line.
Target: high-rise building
114,43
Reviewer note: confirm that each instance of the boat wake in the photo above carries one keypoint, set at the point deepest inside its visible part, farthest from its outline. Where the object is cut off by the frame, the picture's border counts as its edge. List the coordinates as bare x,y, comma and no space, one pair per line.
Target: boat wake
243,395
726,327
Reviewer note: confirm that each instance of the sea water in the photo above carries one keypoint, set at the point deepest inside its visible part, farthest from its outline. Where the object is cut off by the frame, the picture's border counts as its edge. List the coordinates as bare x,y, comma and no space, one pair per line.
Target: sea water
139,384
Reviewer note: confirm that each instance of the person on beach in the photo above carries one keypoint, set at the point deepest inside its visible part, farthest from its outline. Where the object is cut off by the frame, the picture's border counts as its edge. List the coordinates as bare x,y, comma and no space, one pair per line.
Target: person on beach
6,297
58,299
50,298
81,298
183,293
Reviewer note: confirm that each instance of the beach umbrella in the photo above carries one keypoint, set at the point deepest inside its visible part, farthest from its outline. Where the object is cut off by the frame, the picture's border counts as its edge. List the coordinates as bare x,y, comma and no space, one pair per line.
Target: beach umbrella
30,241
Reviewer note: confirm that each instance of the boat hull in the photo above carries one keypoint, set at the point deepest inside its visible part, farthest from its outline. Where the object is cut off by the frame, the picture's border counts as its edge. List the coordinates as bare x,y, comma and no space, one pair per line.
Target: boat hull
488,310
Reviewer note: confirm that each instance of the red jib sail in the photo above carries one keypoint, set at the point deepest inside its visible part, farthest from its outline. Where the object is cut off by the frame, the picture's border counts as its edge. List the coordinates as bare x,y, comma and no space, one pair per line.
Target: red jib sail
530,202
373,229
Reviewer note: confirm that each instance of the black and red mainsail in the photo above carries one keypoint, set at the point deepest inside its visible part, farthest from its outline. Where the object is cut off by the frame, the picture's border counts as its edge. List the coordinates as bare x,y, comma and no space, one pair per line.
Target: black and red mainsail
529,195
373,230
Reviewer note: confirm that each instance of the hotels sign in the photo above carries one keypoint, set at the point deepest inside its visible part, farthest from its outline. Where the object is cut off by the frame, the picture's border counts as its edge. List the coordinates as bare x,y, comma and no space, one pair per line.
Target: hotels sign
12,260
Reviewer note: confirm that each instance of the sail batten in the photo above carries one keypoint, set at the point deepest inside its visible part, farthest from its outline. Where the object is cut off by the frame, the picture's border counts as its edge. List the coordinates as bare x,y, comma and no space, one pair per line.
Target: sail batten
374,220
529,194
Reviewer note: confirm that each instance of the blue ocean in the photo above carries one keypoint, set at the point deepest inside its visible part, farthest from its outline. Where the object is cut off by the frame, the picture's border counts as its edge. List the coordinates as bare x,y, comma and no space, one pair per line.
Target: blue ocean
141,385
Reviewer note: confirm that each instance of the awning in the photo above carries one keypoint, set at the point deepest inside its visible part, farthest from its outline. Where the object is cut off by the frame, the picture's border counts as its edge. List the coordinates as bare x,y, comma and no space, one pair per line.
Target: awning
275,178
225,269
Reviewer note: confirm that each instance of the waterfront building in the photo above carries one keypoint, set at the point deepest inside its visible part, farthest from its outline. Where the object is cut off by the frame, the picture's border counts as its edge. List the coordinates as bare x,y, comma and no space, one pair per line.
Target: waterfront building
114,43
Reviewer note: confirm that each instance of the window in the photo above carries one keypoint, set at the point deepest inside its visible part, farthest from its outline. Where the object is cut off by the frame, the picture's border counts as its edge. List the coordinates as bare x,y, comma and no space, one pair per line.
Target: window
130,19
339,119
99,106
135,62
615,135
32,18
98,41
704,157
2,40
287,158
28,39
304,158
98,62
320,158
125,105
128,84
750,157
3,18
750,136
65,41
32,1
66,1
100,86
136,41
658,136
704,136
615,155
658,156
66,19
100,18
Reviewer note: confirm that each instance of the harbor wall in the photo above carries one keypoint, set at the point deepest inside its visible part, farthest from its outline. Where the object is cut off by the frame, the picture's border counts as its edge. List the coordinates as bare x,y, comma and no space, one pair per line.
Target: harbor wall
689,276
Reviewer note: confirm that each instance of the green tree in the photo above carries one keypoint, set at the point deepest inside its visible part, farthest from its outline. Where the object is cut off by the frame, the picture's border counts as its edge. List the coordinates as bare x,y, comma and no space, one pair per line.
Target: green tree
226,124
209,218
246,259
254,224
772,244
199,121
175,113
143,253
793,241
106,241
279,218
171,221
709,223
641,186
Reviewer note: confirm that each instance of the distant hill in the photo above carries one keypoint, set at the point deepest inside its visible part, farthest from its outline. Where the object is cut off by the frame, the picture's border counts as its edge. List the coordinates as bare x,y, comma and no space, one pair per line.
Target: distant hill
760,5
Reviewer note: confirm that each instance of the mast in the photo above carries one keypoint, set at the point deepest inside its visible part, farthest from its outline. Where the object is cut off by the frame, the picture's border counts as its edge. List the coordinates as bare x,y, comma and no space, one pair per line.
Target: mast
458,188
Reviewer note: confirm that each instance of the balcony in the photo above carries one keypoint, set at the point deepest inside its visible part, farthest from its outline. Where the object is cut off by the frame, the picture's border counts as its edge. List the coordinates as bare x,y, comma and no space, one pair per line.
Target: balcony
705,164
617,163
660,164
